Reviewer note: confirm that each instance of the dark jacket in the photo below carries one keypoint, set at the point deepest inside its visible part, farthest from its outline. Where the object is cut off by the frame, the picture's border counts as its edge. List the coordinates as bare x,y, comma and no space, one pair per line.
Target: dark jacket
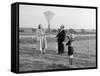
70,50
61,36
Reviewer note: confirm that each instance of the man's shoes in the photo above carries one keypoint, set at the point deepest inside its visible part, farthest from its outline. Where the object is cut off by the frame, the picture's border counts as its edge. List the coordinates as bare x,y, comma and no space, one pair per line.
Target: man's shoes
43,53
60,53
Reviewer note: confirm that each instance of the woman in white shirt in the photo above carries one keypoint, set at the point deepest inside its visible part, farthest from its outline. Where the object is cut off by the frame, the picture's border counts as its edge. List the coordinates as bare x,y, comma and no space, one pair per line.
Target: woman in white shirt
41,37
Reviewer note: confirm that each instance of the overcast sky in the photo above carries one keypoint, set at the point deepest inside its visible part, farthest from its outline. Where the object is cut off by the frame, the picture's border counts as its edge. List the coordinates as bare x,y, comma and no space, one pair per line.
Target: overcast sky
77,18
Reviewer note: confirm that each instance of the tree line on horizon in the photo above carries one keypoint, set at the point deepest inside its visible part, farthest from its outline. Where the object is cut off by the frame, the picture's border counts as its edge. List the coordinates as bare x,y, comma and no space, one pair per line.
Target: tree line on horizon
53,31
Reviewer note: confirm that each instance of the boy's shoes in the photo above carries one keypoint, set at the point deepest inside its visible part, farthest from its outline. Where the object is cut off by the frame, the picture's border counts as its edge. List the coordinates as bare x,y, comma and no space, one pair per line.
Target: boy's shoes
43,53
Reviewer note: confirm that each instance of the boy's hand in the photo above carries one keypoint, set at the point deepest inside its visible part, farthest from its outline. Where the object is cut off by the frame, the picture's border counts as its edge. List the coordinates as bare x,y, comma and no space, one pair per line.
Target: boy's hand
64,43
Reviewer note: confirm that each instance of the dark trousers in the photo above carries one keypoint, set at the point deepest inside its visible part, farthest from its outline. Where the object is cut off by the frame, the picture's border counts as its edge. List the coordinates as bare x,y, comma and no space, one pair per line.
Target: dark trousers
60,48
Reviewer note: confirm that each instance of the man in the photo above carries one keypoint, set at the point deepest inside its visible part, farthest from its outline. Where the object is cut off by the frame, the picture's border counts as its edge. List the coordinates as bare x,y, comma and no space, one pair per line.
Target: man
61,38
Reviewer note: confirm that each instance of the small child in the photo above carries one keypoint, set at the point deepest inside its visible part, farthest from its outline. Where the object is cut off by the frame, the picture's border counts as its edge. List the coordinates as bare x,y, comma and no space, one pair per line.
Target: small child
70,49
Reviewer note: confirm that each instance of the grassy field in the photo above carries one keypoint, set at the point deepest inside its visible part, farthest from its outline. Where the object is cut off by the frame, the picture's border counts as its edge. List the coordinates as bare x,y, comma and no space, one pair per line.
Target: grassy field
32,59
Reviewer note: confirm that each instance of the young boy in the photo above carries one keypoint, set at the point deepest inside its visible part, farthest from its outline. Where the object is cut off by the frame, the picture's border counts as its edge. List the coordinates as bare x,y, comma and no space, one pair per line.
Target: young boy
70,49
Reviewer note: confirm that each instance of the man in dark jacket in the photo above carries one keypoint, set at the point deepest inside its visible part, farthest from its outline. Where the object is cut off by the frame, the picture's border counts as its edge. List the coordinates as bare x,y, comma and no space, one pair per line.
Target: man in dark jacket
61,38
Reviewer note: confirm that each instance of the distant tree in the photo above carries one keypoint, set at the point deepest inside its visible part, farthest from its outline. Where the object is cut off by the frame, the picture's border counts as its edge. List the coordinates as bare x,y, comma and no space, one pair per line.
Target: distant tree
33,29
21,30
72,31
54,30
66,30
93,30
83,31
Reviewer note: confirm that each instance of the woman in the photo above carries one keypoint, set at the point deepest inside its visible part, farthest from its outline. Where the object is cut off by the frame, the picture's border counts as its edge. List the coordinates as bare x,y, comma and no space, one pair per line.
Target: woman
41,37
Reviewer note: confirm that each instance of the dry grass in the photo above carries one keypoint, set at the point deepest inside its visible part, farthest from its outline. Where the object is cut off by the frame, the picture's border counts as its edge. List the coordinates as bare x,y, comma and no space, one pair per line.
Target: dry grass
32,59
